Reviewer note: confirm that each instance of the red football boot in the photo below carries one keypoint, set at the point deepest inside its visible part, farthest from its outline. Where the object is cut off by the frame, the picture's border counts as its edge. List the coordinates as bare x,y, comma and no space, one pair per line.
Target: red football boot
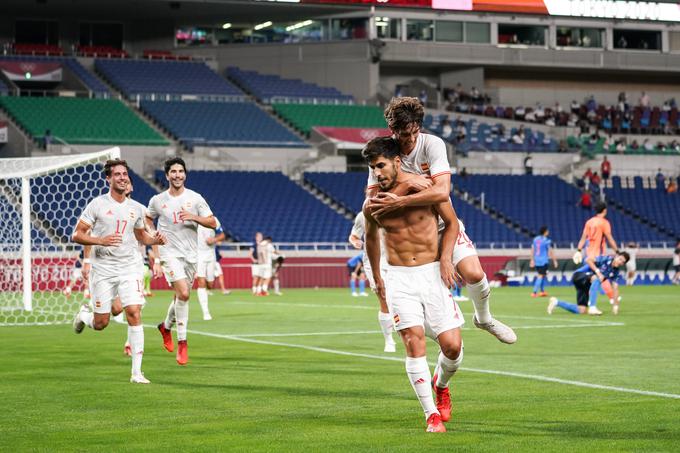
182,353
435,425
167,338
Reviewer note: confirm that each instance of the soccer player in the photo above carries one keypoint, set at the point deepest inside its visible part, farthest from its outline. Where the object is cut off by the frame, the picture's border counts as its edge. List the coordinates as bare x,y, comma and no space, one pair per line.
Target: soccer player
205,271
384,317
265,252
676,264
117,225
355,268
631,265
597,232
425,155
179,212
417,281
77,275
541,254
277,264
255,266
604,269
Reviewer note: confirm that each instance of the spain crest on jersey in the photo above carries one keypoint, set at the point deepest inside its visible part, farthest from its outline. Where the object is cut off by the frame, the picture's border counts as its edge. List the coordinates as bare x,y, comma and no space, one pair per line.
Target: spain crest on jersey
425,167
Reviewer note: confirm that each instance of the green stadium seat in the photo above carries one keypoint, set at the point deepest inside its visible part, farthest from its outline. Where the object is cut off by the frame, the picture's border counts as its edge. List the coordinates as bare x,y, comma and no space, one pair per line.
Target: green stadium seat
304,117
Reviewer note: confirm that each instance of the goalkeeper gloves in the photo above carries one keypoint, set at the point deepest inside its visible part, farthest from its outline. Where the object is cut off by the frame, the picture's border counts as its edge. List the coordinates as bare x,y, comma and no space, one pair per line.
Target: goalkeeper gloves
578,257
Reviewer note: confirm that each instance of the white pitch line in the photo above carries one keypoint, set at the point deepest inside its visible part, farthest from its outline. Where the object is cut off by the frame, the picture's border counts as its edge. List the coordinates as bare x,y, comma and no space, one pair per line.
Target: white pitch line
363,332
473,370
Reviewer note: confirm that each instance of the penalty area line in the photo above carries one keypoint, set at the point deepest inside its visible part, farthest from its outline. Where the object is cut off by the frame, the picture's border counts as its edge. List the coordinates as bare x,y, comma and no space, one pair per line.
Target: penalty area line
473,370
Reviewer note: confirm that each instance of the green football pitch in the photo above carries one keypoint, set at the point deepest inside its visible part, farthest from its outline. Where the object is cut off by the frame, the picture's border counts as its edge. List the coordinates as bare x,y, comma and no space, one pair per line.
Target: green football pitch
306,372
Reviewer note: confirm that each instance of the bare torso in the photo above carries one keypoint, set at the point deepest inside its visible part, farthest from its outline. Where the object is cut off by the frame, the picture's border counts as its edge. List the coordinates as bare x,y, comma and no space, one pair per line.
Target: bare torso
411,234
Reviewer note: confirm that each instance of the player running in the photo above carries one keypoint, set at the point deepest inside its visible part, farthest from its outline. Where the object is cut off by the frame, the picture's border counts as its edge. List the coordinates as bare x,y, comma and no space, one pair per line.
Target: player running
425,155
207,261
179,212
117,225
604,269
384,317
541,254
417,281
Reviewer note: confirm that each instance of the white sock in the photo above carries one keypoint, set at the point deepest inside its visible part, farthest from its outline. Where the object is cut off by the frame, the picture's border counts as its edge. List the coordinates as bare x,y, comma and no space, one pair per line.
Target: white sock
136,339
386,325
276,286
254,289
203,300
258,289
182,313
171,317
447,368
419,376
479,293
265,286
88,318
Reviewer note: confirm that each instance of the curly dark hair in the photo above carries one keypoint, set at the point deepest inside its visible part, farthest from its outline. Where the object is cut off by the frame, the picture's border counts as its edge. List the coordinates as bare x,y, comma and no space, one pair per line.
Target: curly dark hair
108,166
175,160
402,112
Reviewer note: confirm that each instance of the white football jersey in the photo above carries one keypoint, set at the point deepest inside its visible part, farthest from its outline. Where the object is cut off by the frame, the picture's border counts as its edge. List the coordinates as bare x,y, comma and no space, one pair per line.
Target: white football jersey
181,236
266,252
140,247
427,158
206,252
359,227
106,216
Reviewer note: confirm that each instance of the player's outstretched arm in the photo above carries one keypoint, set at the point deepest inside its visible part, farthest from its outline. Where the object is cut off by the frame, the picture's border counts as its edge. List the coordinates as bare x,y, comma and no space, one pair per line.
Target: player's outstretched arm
385,202
449,238
593,265
82,236
372,238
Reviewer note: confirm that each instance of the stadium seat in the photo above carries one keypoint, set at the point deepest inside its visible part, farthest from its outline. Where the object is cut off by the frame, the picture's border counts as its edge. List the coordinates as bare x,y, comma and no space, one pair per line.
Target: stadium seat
304,117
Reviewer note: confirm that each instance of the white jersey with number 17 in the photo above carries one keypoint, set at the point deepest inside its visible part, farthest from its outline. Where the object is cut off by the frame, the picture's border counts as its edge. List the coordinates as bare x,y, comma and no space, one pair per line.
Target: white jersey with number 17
181,235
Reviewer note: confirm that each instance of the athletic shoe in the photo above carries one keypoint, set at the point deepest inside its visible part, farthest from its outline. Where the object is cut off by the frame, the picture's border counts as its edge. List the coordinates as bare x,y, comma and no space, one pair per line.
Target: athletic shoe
552,304
210,293
278,293
435,425
390,346
363,294
460,298
594,311
264,293
139,379
207,317
443,398
534,295
496,328
226,292
182,353
542,294
615,309
127,350
355,294
78,324
167,338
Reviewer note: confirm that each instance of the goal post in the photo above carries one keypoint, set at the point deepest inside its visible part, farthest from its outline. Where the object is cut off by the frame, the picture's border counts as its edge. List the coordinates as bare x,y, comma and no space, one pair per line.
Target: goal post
41,199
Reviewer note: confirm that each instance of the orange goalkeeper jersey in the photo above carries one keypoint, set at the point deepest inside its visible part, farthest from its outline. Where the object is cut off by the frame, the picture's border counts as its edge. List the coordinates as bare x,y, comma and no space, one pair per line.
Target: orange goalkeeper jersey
595,229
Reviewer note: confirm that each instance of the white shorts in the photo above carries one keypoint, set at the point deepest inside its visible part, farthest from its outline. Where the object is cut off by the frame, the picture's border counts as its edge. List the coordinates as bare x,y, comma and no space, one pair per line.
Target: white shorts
130,289
218,269
176,269
255,270
206,269
631,266
417,296
266,270
463,247
368,270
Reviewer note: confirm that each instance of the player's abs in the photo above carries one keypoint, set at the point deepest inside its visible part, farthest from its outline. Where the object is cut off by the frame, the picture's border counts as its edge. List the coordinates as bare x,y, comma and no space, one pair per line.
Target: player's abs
411,240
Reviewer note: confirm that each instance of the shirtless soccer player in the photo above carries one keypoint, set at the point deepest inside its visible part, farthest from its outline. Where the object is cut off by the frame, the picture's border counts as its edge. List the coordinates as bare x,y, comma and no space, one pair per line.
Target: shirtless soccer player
425,155
113,225
179,212
417,280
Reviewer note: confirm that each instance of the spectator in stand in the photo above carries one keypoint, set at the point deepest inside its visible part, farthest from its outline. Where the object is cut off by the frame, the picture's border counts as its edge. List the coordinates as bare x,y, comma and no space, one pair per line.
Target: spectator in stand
672,187
550,119
519,113
530,116
423,97
621,146
529,165
518,136
447,130
539,112
558,108
461,132
475,95
573,120
595,179
588,174
635,145
626,121
660,179
622,43
575,107
666,107
563,146
644,100
586,201
647,145
605,168
463,173
591,104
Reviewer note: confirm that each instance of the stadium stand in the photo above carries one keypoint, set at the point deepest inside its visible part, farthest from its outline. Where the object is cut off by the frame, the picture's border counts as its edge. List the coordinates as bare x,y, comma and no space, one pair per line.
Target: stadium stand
654,205
480,136
304,117
247,202
143,191
220,124
532,201
90,80
346,190
149,79
37,49
4,89
272,88
81,121
101,52
163,55
595,144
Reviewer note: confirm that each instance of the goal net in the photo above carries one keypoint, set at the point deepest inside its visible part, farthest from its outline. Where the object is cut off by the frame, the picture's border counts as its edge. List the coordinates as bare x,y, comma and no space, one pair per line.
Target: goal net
41,200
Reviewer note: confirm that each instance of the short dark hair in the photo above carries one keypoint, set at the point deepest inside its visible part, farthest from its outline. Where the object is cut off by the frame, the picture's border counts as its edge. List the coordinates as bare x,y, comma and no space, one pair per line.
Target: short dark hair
401,112
175,160
600,207
625,255
543,229
108,166
380,146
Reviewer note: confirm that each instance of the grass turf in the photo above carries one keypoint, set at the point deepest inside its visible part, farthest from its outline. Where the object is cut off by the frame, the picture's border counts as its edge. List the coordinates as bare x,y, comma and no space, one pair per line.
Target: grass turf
67,392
